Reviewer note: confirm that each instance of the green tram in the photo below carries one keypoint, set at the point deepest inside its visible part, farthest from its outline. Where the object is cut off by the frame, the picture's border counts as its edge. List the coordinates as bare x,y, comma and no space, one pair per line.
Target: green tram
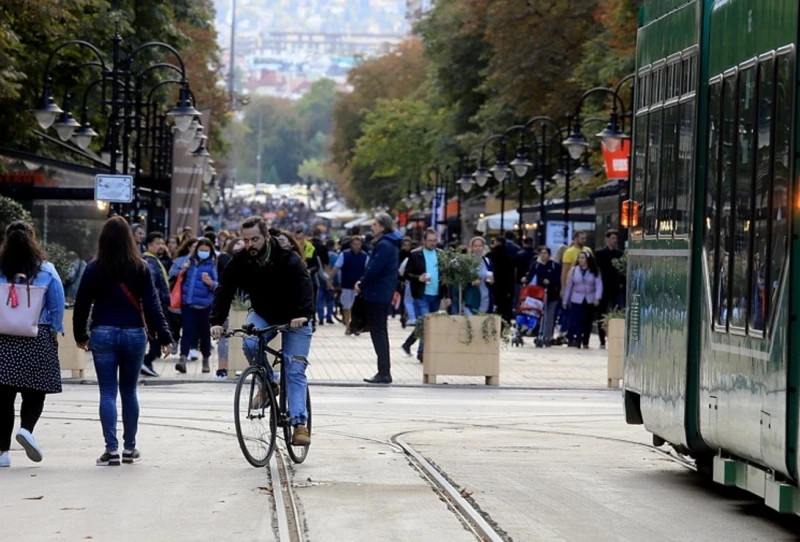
711,364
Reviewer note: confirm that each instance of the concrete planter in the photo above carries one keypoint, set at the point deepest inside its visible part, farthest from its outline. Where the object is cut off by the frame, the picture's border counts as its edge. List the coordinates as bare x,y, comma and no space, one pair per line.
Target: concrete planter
615,342
448,350
71,357
237,362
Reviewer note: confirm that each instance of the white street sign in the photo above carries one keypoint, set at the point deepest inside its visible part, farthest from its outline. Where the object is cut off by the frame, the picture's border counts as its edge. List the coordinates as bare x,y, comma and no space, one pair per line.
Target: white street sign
113,188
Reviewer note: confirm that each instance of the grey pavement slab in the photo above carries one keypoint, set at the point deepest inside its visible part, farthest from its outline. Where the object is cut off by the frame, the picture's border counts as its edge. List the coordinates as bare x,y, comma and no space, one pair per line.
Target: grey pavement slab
339,359
528,458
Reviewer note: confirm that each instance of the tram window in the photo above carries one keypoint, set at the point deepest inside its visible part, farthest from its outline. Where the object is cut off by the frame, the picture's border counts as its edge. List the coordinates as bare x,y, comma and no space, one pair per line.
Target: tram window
743,201
640,94
761,271
640,168
668,174
712,191
653,172
784,88
728,172
688,81
685,168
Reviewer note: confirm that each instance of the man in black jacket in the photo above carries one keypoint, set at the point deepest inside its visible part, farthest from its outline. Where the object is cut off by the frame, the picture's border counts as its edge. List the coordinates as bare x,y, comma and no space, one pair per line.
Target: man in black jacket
613,281
279,286
155,244
422,272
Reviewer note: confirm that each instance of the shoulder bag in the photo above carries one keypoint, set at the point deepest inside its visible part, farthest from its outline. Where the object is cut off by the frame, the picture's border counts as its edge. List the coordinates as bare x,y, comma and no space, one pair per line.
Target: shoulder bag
22,308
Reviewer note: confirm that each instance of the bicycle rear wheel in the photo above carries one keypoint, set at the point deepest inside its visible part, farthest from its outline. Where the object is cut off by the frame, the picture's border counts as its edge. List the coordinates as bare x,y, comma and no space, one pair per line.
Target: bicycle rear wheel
298,453
255,416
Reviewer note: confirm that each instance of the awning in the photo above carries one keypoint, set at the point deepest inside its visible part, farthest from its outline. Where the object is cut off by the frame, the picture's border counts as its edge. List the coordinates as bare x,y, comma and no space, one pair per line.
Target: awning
340,215
492,222
358,222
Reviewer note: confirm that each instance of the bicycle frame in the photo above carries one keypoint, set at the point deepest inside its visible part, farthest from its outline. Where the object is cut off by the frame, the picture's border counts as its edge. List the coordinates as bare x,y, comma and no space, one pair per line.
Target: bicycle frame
263,361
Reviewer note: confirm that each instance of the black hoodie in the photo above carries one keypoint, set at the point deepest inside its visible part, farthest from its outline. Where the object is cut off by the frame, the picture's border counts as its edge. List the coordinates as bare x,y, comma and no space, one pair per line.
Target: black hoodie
280,289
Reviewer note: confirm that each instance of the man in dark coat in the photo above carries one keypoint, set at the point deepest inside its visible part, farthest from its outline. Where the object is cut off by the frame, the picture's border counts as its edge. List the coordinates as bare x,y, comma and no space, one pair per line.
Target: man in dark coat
377,288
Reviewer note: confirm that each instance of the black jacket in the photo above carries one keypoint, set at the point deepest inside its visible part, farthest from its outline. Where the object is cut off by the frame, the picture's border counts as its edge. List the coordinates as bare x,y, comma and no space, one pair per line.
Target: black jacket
613,282
279,290
416,267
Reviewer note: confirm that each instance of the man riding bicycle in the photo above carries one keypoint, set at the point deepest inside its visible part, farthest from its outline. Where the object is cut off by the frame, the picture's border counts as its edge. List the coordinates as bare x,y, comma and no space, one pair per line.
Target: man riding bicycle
279,286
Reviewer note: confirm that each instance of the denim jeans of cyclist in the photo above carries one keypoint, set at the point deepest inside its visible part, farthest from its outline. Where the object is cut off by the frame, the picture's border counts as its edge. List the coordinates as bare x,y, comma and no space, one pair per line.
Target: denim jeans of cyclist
296,344
118,351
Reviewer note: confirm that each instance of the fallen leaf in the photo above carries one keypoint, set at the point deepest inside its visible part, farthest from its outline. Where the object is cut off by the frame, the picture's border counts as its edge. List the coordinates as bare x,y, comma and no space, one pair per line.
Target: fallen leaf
39,498
33,476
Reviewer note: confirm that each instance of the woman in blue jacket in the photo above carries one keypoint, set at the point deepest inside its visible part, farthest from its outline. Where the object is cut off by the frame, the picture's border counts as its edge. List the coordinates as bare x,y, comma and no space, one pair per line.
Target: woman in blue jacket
28,365
197,293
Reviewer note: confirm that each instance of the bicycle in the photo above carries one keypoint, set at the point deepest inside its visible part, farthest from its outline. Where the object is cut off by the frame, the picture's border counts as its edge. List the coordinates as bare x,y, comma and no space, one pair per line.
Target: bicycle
256,386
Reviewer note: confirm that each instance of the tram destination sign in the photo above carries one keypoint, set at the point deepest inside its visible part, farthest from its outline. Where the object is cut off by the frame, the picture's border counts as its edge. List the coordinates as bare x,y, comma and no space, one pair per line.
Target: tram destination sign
113,188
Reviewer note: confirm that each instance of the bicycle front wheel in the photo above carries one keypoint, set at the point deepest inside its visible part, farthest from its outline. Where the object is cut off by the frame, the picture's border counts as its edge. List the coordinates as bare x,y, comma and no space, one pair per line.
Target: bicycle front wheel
298,453
255,416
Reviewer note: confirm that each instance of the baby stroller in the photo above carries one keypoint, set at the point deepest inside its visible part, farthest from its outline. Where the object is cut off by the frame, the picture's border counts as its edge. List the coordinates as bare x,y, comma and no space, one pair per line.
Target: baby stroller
530,314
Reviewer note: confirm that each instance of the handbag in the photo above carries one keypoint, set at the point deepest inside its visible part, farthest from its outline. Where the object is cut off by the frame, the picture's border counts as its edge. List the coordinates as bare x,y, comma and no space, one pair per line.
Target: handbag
138,307
176,295
20,314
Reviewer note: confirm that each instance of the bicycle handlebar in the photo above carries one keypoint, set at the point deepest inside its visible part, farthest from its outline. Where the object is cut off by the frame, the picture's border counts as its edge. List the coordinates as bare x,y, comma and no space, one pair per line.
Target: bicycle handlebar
250,329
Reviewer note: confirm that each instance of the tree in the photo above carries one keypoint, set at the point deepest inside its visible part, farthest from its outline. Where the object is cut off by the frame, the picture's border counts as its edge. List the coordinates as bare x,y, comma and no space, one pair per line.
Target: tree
310,169
11,211
395,149
399,74
315,108
30,31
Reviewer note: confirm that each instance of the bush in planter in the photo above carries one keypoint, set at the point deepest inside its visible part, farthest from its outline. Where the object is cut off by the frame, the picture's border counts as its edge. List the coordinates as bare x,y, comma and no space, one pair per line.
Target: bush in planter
459,270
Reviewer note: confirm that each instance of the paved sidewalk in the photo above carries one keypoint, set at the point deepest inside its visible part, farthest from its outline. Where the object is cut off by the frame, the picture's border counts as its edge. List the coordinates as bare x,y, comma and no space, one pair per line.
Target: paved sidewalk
339,359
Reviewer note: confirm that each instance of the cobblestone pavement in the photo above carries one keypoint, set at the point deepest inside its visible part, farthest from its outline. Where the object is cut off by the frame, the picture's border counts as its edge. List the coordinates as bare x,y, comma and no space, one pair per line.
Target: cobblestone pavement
339,359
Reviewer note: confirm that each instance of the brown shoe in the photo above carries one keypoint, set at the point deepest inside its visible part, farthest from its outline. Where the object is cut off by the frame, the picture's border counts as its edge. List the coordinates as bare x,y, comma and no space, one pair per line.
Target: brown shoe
276,389
300,437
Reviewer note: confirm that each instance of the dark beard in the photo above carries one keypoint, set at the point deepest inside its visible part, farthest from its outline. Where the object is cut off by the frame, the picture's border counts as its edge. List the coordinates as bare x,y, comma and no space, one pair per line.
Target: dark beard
259,253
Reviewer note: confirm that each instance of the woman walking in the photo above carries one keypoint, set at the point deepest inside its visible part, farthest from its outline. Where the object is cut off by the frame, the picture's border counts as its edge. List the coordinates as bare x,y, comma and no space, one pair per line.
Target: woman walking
197,294
583,293
478,296
119,291
28,365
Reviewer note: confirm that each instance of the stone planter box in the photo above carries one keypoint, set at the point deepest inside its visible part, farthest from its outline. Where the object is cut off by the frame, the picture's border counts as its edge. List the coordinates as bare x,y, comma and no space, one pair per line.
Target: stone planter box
446,353
71,357
237,362
615,342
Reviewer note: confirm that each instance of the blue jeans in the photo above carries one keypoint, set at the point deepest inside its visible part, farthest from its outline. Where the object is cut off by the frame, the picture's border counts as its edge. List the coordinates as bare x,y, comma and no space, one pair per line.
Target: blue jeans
408,301
325,299
118,349
296,344
426,305
196,327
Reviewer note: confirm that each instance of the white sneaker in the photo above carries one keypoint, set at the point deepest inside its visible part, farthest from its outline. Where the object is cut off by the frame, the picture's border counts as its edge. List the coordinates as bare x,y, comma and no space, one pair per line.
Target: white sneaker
5,459
27,441
193,355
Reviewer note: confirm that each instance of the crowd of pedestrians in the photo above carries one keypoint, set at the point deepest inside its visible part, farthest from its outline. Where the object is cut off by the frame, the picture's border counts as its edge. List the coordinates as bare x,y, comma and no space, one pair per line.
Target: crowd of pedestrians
146,295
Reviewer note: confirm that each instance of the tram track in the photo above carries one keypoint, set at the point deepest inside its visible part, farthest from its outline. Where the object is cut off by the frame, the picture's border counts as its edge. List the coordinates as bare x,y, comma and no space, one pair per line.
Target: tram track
289,517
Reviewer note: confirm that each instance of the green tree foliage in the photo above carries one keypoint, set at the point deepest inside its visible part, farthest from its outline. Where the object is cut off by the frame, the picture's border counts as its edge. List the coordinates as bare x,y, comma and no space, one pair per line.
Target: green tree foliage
291,134
485,65
310,169
395,149
315,108
11,211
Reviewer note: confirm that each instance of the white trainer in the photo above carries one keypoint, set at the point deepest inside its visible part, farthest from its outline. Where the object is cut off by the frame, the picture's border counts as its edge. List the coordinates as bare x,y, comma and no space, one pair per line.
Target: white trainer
27,441
5,459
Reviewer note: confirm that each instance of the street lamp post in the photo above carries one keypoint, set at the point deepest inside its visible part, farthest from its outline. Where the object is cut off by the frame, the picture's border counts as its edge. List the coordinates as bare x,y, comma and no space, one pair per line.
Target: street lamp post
125,98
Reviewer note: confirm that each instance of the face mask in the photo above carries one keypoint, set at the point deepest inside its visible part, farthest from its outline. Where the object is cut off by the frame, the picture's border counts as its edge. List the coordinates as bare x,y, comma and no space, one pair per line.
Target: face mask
203,254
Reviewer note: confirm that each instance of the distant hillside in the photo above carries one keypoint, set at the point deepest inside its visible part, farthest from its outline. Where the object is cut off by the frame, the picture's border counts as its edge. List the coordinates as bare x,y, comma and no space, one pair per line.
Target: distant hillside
357,16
